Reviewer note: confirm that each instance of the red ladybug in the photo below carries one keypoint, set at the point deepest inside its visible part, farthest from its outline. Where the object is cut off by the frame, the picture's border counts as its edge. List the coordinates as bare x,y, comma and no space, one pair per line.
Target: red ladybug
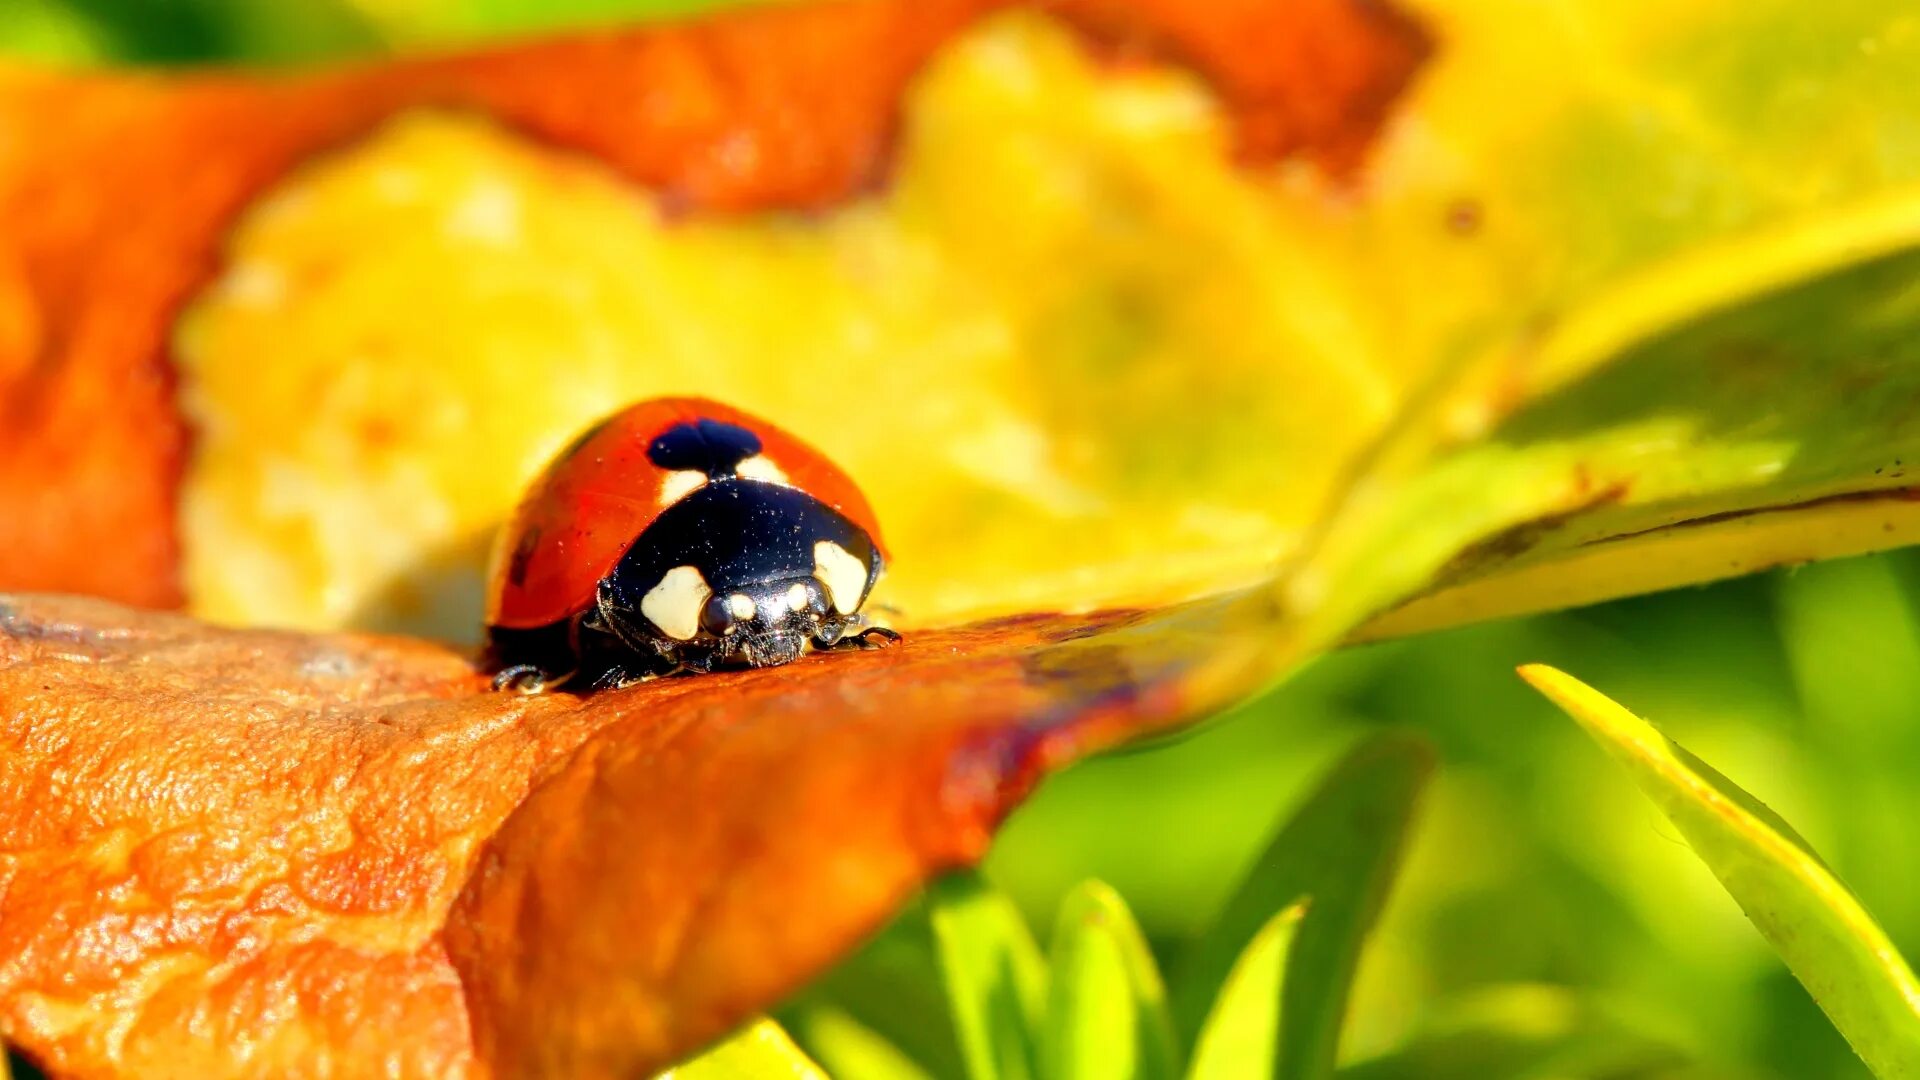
679,534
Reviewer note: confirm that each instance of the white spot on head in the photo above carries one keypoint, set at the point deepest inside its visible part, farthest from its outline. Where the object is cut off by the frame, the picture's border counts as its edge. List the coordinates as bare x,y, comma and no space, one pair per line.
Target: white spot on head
674,604
679,483
759,467
741,605
844,576
797,597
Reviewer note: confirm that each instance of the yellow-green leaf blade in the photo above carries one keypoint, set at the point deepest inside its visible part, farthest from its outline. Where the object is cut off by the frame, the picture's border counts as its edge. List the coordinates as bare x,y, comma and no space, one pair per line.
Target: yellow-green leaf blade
1339,853
996,979
1736,432
1106,1005
850,1050
759,1051
1832,944
1242,1034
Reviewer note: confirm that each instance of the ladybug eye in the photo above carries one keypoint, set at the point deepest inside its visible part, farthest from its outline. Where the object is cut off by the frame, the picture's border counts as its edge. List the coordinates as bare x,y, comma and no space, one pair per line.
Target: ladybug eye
715,618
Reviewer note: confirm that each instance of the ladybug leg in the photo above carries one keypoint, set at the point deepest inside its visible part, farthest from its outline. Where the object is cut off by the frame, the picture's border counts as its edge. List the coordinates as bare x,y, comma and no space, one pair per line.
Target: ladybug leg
834,635
629,669
616,676
528,679
875,637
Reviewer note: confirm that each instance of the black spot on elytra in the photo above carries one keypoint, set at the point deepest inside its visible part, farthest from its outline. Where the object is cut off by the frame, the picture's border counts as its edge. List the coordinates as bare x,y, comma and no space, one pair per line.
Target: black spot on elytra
709,446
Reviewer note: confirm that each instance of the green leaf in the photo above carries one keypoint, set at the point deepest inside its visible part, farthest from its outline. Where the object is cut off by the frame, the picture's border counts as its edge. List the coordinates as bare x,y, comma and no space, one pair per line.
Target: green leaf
182,32
1818,927
50,31
1241,1036
1339,853
1740,425
848,1049
758,1051
996,980
1106,1008
1675,368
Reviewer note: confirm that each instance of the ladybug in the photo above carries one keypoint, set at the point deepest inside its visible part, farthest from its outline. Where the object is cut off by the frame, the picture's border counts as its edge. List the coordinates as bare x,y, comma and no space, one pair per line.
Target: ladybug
680,535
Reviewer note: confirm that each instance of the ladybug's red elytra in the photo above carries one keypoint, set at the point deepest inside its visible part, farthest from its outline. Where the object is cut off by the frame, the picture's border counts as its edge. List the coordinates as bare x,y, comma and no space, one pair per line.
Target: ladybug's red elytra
680,535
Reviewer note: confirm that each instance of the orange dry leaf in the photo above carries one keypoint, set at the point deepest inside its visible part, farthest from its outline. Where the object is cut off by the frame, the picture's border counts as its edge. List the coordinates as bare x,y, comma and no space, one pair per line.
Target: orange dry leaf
253,853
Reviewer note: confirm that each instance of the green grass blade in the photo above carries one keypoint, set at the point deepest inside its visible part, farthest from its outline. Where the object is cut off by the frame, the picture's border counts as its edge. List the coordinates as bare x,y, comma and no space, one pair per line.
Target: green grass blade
848,1049
1339,852
1813,921
1106,1006
1241,1035
996,980
758,1051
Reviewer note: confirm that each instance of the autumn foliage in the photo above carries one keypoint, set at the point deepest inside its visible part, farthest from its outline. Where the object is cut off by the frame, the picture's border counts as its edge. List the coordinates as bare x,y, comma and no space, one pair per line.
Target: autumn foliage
247,852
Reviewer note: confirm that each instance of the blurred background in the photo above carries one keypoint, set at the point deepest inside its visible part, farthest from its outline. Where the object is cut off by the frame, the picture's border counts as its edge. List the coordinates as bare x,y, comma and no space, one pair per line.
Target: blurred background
1542,892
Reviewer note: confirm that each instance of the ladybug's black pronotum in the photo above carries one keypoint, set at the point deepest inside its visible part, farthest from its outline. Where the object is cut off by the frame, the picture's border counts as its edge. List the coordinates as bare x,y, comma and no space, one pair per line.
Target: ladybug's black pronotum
680,535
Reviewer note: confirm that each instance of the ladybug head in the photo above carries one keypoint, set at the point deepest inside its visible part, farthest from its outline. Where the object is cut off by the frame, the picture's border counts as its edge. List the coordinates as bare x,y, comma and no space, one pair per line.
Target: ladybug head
739,572
762,624
767,623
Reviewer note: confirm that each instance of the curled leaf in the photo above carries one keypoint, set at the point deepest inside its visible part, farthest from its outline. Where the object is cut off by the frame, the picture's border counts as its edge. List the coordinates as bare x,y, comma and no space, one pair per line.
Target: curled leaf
1834,946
